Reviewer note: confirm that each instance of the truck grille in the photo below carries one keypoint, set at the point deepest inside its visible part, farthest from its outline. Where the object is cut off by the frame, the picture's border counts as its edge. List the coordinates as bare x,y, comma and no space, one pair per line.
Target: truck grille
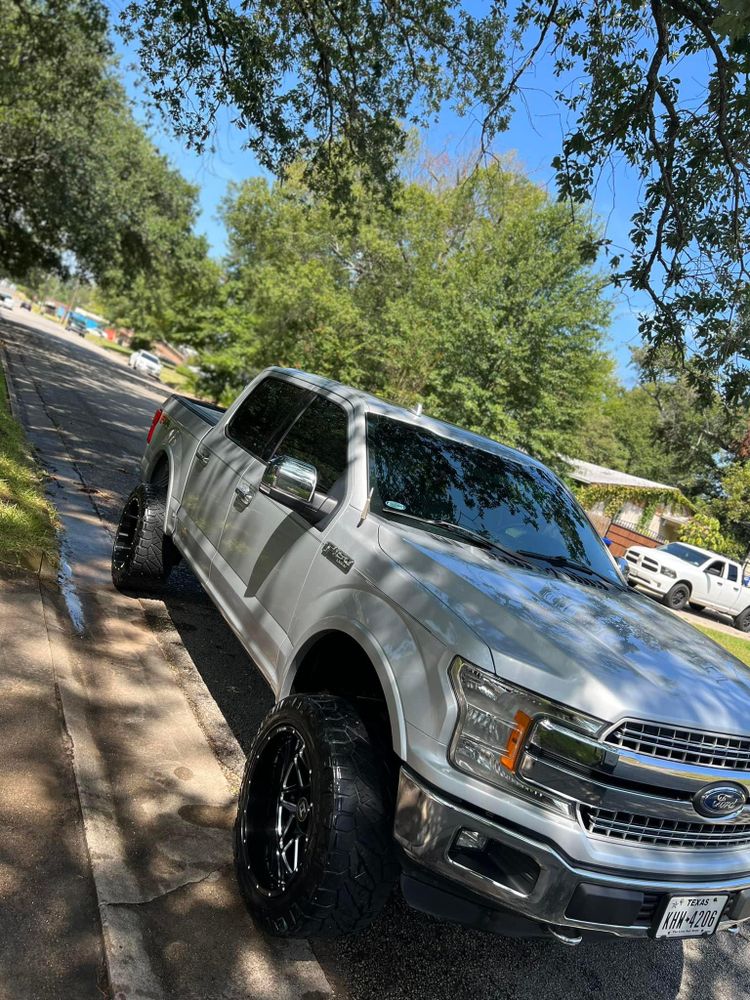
650,564
663,832
684,745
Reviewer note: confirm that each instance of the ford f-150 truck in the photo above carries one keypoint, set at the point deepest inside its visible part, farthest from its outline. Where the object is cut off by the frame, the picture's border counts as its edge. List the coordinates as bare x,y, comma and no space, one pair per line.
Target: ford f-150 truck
469,697
682,574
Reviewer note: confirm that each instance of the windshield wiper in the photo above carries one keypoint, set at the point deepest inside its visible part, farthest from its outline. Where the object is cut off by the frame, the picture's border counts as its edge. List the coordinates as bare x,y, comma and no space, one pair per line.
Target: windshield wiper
566,562
469,533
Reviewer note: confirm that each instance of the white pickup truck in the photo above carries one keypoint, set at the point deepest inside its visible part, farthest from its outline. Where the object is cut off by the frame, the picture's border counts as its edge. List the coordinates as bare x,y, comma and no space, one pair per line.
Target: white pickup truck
469,698
682,574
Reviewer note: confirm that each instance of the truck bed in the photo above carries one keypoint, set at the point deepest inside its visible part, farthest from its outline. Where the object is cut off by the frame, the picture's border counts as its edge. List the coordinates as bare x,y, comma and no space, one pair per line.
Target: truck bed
209,412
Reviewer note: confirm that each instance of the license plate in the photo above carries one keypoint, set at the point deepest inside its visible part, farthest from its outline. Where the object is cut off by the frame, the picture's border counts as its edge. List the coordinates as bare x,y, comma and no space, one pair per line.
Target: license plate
691,916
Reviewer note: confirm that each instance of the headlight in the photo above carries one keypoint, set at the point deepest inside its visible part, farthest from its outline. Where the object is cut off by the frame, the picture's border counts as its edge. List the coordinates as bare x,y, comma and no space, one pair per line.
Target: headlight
666,571
494,720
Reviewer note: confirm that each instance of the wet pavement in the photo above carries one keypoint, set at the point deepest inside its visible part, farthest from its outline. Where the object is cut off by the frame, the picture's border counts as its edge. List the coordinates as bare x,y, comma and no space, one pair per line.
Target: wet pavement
102,412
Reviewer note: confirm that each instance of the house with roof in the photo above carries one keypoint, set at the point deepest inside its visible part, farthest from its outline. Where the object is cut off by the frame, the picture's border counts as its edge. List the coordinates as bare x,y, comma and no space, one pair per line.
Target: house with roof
629,510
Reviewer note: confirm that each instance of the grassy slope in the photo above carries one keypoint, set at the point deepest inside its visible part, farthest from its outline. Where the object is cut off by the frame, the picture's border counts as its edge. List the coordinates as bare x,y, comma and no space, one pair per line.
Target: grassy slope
110,345
738,646
27,518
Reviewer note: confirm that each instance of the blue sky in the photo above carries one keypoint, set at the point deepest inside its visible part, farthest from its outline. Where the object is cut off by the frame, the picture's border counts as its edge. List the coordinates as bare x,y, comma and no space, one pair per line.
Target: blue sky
533,139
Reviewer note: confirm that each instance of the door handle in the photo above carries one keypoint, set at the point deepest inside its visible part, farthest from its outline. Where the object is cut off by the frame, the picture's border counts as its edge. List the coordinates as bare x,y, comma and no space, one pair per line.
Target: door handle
244,496
203,456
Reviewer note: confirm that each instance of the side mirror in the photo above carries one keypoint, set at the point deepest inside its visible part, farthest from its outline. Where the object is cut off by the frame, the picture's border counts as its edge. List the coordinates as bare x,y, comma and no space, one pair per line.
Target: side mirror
624,566
289,479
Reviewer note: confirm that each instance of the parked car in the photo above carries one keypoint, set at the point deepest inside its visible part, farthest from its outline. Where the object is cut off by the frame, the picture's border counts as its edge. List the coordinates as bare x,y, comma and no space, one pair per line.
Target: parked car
682,574
469,697
7,301
143,361
76,325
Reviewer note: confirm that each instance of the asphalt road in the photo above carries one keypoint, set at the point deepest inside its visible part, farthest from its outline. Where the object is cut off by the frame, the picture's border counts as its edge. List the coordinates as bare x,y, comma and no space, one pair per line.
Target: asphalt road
104,411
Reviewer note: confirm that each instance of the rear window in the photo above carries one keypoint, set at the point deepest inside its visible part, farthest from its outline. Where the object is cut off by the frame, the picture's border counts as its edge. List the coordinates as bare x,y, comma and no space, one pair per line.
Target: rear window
265,414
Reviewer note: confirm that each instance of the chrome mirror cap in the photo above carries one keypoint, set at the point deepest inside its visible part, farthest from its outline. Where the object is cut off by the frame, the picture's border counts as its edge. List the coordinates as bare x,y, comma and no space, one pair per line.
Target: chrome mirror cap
291,477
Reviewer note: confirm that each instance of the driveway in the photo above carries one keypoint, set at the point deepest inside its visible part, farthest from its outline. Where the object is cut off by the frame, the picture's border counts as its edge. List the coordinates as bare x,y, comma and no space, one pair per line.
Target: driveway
103,411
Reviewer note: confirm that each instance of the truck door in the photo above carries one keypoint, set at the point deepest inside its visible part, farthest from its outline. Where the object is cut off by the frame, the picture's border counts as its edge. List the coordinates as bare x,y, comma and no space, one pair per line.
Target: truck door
717,588
734,587
266,549
246,437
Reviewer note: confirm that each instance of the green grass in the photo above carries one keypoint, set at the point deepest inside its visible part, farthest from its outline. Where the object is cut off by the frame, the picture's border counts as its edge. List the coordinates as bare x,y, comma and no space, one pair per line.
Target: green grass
736,645
109,345
175,378
27,519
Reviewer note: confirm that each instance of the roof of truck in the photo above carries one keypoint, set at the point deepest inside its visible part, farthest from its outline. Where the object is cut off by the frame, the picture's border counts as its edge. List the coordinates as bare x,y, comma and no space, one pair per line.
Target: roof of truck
373,404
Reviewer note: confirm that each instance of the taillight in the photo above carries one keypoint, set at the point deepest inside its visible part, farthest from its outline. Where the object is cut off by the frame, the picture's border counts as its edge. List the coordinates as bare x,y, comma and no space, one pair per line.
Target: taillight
154,422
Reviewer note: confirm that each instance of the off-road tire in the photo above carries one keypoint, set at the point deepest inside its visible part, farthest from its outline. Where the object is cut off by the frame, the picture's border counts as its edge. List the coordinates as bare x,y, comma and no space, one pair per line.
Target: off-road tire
348,867
677,597
142,555
742,621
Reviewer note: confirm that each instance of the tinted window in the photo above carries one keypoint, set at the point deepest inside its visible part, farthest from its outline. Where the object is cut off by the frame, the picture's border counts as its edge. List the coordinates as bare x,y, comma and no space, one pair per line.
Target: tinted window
716,568
320,437
264,414
416,473
732,574
684,552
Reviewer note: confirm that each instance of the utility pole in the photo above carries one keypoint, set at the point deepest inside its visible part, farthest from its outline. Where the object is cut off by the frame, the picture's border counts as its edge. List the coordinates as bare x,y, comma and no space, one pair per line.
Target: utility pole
72,304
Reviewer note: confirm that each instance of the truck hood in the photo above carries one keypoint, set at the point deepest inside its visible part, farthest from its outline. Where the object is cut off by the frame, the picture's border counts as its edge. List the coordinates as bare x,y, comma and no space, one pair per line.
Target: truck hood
607,651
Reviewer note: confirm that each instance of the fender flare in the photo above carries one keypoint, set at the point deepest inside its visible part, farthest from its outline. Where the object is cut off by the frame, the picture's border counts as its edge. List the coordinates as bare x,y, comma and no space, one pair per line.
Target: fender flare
376,655
166,455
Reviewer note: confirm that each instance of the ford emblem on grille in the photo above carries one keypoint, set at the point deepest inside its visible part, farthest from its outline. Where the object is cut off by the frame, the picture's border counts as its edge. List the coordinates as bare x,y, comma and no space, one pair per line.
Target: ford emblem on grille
719,800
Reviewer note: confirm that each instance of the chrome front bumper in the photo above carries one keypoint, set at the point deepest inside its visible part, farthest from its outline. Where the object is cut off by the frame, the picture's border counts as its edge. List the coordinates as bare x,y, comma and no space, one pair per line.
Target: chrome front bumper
427,825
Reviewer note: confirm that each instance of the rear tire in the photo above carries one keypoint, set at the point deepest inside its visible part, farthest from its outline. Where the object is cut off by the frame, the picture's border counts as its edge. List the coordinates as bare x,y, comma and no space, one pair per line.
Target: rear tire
742,621
142,555
313,842
677,597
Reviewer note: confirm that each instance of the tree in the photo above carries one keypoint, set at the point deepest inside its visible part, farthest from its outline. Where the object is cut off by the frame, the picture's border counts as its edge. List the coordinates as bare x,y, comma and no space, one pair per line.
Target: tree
732,507
473,297
704,530
82,187
660,86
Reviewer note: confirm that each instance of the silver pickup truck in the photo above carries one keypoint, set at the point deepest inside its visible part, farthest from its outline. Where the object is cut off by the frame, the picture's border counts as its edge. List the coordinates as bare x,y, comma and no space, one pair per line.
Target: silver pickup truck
469,698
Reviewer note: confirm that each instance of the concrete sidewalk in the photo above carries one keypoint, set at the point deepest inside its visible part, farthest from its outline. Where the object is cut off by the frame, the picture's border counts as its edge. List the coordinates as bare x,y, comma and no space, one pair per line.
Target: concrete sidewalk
50,935
157,805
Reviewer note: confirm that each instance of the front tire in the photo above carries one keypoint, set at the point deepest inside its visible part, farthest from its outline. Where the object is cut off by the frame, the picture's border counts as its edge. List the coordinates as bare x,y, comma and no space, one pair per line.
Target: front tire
142,555
677,597
313,844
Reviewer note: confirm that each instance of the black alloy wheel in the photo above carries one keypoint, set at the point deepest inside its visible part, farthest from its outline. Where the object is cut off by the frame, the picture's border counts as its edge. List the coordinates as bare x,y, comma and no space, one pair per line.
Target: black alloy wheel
142,555
313,838
677,597
276,827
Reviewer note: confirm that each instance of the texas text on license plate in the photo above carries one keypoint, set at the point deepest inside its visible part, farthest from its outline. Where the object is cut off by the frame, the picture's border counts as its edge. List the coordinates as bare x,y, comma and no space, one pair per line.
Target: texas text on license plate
690,916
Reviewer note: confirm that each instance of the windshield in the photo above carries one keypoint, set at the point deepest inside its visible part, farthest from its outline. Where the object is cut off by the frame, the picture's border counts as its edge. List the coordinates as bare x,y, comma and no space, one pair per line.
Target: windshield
150,357
685,552
415,473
